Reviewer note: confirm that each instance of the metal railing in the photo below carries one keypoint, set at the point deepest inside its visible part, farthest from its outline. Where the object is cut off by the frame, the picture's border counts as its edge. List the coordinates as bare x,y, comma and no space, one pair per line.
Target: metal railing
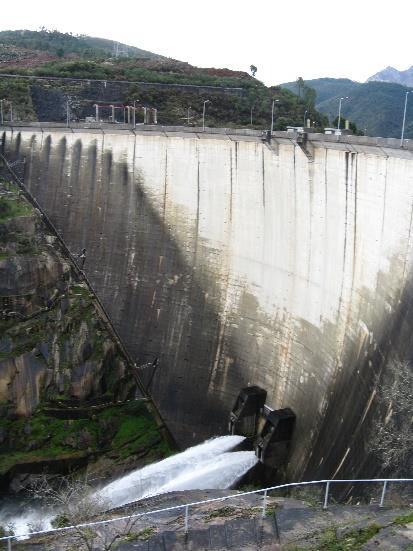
186,506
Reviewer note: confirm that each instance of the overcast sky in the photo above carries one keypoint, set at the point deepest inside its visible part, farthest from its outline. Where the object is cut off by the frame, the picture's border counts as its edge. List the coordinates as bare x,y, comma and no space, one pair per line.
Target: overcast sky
284,39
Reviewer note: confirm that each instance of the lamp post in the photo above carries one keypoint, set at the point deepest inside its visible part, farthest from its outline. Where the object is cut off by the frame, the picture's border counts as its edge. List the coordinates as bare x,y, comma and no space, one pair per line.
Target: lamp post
67,114
305,114
339,112
1,112
203,114
135,101
404,118
274,101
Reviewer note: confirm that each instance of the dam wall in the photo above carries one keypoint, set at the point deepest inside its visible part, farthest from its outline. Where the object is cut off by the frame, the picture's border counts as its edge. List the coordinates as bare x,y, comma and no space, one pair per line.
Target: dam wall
237,261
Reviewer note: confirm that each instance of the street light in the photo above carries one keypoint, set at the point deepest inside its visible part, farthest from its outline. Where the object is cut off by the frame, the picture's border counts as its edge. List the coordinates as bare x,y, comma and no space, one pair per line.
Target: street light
404,118
1,112
274,101
67,113
135,101
339,112
305,114
203,114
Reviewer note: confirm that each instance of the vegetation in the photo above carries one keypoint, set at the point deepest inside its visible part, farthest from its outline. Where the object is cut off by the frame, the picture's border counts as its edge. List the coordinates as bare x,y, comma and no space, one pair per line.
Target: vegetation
222,512
13,207
375,107
58,331
90,58
352,126
392,438
352,541
64,44
124,430
78,502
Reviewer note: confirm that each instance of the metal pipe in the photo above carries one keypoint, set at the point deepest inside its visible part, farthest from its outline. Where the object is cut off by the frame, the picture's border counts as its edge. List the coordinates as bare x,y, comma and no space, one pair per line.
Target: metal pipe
326,495
339,112
264,505
186,518
203,114
274,101
134,112
383,493
404,118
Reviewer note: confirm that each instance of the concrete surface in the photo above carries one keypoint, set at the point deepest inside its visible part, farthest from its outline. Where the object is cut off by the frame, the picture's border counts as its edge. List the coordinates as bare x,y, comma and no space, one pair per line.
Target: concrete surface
238,263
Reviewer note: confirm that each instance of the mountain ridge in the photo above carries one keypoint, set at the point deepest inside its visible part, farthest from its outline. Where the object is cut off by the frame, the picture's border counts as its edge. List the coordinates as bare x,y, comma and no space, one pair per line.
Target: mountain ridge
375,107
390,74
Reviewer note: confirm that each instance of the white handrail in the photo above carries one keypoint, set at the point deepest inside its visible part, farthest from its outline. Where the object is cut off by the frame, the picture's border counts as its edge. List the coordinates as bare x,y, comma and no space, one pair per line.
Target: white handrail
186,506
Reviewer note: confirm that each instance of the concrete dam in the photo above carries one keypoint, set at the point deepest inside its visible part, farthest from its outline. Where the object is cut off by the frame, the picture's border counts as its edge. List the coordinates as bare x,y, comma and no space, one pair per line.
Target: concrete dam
237,261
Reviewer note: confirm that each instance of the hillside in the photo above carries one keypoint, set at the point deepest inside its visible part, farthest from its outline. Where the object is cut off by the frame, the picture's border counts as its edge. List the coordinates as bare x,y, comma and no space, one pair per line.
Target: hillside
375,107
66,44
238,100
390,74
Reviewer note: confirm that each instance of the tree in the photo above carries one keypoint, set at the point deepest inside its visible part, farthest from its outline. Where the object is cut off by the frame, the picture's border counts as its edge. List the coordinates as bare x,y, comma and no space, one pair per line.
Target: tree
76,502
309,96
253,70
300,86
392,440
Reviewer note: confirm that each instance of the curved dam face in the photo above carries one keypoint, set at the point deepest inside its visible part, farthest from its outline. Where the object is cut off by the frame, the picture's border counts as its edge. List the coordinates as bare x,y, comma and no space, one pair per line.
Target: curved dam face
236,262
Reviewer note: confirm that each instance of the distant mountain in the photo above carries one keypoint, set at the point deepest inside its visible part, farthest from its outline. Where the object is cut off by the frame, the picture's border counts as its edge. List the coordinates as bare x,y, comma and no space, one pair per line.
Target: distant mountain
326,88
66,44
390,74
376,107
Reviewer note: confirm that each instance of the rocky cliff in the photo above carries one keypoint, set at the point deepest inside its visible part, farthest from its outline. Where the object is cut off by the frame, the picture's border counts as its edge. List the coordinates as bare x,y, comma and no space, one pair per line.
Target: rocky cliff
67,394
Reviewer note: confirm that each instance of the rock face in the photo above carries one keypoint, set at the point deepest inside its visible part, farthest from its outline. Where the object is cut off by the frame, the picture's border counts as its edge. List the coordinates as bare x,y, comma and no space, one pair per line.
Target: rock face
53,344
63,378
390,74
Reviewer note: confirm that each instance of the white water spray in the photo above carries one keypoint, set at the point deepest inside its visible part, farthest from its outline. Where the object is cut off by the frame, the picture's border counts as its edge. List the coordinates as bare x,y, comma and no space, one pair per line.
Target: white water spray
210,465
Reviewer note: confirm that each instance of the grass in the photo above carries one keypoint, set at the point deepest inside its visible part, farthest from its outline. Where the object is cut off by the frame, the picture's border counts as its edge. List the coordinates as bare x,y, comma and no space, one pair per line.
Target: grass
54,437
352,541
222,512
142,535
13,208
404,519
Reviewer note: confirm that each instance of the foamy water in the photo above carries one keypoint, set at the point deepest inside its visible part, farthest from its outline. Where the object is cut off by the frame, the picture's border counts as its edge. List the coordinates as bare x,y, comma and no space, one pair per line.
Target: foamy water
210,465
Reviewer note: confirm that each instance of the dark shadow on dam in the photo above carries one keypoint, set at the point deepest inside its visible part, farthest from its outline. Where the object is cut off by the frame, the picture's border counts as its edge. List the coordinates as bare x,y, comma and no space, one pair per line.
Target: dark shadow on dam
155,301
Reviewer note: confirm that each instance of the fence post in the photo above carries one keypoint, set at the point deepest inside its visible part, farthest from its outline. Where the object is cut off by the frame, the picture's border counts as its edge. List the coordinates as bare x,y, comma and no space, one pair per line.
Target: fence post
383,493
186,518
326,495
9,544
264,505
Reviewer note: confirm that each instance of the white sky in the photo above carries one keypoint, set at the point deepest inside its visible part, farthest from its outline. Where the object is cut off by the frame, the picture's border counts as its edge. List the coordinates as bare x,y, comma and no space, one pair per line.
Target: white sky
284,39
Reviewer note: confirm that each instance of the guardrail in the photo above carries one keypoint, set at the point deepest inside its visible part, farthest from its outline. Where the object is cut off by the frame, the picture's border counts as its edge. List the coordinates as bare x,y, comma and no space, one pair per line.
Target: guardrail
186,507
